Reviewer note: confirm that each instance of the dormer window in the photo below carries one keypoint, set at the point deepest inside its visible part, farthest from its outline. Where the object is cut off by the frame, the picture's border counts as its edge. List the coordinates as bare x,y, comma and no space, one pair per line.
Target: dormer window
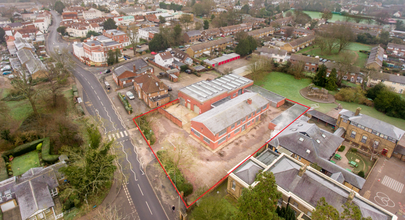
323,135
318,141
301,139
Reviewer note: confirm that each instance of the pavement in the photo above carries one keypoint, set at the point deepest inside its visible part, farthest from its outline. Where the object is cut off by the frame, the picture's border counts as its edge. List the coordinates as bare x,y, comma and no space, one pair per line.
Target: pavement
385,186
139,192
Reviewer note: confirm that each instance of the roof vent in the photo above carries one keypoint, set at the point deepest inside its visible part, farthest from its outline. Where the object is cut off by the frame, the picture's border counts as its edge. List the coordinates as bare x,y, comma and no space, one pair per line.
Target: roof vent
308,151
157,84
299,125
301,139
318,141
323,135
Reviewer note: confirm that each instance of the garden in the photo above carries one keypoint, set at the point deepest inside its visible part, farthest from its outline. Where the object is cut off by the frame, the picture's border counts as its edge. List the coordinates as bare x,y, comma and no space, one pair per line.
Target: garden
364,163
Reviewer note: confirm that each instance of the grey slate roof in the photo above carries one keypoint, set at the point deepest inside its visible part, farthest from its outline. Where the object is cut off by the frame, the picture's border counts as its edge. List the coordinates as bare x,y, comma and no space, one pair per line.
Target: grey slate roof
267,157
193,33
140,64
223,116
271,96
289,115
373,123
394,78
206,90
247,171
376,55
272,51
323,117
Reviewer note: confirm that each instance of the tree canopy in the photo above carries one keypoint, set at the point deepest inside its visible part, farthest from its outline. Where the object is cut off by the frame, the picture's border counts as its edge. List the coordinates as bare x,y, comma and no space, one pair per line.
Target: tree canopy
2,33
61,30
320,77
246,46
206,24
109,24
59,6
159,42
331,81
92,33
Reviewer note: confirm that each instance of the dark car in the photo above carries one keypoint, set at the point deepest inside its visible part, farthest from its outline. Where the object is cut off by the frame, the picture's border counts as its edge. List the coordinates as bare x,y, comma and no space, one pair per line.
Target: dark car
137,46
162,73
107,71
188,71
127,57
169,89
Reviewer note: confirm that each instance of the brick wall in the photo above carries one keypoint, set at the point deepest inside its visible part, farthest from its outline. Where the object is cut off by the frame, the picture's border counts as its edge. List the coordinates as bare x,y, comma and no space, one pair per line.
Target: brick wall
157,65
171,117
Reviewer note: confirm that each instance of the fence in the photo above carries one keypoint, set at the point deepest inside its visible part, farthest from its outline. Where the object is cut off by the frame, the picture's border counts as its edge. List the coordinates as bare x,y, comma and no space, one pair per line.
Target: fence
171,117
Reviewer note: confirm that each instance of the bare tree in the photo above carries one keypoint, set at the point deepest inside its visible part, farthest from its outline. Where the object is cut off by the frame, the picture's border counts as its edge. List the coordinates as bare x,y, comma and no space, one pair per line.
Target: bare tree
133,36
344,66
186,20
289,31
344,35
260,67
297,70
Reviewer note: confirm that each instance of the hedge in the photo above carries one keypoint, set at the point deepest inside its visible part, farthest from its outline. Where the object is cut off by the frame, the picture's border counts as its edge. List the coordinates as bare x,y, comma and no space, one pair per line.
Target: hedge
341,148
125,102
46,149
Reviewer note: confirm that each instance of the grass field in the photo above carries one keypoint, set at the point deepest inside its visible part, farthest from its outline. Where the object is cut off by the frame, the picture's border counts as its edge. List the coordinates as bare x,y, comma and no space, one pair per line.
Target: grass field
23,163
289,87
335,17
353,48
19,110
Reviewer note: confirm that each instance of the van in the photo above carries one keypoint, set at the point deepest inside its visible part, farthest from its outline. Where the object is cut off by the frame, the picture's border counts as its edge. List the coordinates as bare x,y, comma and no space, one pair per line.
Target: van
107,85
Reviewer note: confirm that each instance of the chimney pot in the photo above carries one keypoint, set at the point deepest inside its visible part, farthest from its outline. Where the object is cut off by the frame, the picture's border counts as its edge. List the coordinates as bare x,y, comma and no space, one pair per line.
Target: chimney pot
302,170
357,113
249,101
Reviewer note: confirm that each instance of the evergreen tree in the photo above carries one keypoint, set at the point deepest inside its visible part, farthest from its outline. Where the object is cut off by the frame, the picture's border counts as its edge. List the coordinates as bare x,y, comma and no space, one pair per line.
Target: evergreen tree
206,24
109,24
159,42
324,211
260,202
59,6
286,213
320,77
331,81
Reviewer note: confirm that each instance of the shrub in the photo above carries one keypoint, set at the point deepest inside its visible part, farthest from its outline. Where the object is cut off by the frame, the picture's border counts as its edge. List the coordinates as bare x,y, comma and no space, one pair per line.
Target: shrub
341,148
187,188
125,102
361,174
46,149
354,150
39,147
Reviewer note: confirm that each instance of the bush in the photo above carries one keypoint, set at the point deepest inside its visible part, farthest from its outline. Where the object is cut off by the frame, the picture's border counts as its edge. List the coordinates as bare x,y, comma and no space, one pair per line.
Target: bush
125,102
39,147
187,188
46,149
341,148
361,174
354,150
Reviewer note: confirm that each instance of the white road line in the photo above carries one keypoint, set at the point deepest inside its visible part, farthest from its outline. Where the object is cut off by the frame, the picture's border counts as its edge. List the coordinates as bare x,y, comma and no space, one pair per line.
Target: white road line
102,103
130,165
140,189
109,137
113,136
98,98
393,184
125,132
121,134
149,208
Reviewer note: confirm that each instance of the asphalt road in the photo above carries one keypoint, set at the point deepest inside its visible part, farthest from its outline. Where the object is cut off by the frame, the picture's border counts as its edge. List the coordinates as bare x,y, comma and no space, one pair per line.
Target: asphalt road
99,105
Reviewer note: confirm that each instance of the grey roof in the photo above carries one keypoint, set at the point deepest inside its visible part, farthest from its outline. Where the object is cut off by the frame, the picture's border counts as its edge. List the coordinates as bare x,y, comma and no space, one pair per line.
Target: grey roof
394,78
400,150
110,43
399,46
24,55
234,110
330,65
90,42
177,63
271,96
373,123
151,29
129,10
339,132
316,186
220,102
193,33
31,61
275,51
289,115
323,117
376,55
267,157
21,43
206,90
247,171
140,64
338,177
115,32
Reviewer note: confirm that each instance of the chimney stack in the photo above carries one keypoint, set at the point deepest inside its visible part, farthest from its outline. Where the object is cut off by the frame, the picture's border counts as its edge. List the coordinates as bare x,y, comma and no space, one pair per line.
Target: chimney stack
302,170
249,101
161,85
134,68
351,196
358,109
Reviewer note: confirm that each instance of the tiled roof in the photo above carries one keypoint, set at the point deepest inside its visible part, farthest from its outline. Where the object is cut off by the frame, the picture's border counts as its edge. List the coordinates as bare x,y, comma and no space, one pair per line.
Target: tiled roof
150,84
165,55
210,44
306,59
376,56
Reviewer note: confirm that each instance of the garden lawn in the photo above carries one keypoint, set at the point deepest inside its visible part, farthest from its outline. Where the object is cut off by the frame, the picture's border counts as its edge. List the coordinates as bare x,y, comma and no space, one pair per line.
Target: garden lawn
23,163
317,15
289,87
20,110
364,163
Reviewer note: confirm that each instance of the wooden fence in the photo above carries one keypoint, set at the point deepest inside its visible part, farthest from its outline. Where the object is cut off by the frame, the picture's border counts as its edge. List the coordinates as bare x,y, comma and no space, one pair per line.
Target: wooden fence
171,117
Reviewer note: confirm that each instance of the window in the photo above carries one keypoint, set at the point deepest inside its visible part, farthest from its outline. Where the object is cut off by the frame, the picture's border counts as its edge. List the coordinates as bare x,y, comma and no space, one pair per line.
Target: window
222,132
207,140
243,119
54,192
353,134
280,202
222,140
196,133
233,185
258,110
301,139
236,131
248,123
238,123
364,139
249,116
233,126
376,143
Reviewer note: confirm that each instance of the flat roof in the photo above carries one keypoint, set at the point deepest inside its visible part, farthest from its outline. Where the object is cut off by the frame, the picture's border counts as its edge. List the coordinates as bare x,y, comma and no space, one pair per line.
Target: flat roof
206,90
271,96
289,115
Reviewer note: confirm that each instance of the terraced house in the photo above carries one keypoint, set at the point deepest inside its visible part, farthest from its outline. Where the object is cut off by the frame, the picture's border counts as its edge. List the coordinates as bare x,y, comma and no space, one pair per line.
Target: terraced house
394,82
352,74
212,32
233,29
311,63
396,49
263,32
301,186
375,58
210,46
298,44
370,132
192,36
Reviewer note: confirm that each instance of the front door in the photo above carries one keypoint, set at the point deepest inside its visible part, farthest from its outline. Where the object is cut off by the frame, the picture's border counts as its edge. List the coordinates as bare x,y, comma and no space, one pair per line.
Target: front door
188,105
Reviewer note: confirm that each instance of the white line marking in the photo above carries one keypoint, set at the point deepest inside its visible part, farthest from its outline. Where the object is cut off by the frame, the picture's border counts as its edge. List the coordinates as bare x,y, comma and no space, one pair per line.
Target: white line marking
113,136
98,98
140,189
393,184
149,208
121,134
109,137
130,165
125,132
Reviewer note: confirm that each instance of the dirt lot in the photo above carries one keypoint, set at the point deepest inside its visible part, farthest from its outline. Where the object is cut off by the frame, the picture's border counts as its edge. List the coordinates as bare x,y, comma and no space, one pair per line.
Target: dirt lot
234,64
202,167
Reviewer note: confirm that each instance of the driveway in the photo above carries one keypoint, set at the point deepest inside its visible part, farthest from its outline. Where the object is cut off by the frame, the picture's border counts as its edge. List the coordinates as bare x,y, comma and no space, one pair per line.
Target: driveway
385,186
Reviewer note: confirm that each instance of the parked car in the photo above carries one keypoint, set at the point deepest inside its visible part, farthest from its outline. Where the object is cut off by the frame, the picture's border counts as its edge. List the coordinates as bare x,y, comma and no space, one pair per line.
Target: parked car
6,68
130,95
11,76
188,71
169,49
138,46
6,73
127,57
107,71
162,73
153,53
170,89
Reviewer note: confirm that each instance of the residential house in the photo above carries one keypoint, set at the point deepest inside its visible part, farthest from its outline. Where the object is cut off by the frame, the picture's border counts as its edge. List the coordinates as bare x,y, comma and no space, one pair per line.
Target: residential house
32,64
229,119
148,33
164,59
124,20
33,194
4,20
301,186
298,44
42,25
151,90
92,13
21,43
152,18
69,16
369,132
297,32
351,73
15,25
181,56
199,97
233,29
208,47
211,33
397,14
375,58
130,11
29,33
276,54
311,63
118,36
124,76
360,26
263,32
281,22
396,49
256,22
218,11
192,36
394,82
77,29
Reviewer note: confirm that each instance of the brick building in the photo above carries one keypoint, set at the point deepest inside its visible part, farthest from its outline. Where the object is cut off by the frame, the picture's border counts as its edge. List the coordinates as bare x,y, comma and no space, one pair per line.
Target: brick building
263,32
394,82
227,120
212,32
199,97
375,58
192,36
369,132
233,29
118,36
277,55
396,49
226,58
124,76
352,74
198,49
311,63
151,90
298,44
69,16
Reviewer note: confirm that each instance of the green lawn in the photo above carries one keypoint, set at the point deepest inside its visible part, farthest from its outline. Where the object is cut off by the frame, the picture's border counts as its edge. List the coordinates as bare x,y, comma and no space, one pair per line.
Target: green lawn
23,163
364,162
289,87
19,109
335,17
353,48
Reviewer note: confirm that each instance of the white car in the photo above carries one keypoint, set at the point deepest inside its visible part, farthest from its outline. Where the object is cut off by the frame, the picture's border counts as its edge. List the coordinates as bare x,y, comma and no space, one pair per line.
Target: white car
6,68
130,95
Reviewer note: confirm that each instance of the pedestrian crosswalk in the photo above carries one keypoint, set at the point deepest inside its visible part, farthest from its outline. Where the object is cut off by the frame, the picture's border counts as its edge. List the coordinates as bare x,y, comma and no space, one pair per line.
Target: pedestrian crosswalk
117,134
393,184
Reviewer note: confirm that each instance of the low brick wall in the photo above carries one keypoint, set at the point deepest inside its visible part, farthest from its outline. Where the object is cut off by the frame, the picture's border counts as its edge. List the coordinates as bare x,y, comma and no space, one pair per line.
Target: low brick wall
171,117
157,65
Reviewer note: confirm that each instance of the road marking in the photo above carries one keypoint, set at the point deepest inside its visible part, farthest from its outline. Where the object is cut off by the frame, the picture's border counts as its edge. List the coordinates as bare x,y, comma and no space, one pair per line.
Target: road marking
149,208
113,136
121,134
140,189
109,137
98,98
125,132
393,184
